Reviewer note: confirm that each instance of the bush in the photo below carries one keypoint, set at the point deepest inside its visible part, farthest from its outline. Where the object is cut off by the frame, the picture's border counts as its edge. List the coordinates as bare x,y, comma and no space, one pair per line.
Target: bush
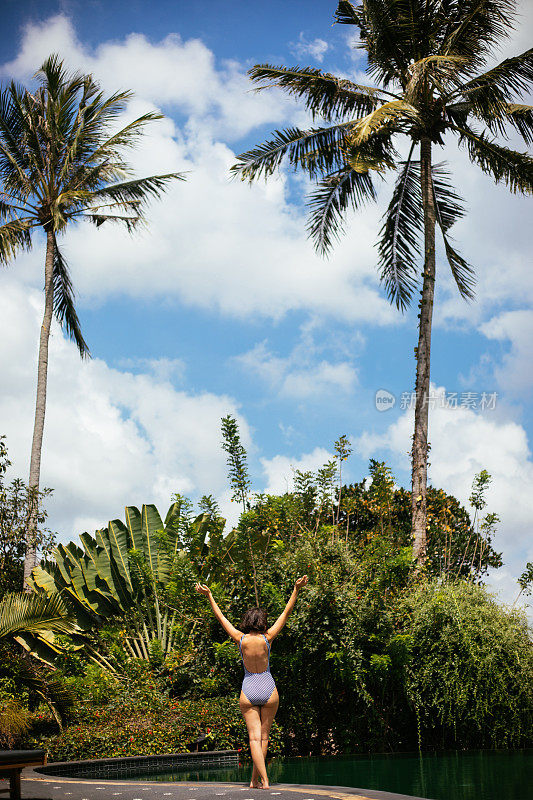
120,731
470,675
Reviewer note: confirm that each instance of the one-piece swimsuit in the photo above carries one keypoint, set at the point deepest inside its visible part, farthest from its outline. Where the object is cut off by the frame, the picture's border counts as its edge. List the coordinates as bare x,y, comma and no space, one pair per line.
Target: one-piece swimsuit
257,686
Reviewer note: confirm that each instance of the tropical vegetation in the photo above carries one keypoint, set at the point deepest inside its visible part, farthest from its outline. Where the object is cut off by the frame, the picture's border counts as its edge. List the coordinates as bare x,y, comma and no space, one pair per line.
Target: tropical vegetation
377,656
429,83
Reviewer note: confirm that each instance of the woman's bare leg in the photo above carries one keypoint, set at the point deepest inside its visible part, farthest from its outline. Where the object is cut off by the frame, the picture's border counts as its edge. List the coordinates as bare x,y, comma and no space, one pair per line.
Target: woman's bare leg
253,723
268,712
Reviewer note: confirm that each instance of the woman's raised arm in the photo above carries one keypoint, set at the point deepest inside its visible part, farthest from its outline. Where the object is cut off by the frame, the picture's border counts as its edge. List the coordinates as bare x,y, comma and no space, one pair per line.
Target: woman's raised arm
236,635
273,631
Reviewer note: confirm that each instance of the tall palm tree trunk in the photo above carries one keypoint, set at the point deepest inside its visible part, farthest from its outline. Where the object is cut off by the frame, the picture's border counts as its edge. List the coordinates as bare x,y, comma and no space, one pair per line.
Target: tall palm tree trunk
40,409
420,437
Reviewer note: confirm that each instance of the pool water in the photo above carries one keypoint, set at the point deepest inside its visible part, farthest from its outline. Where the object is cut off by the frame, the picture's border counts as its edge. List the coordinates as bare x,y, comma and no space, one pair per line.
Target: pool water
478,775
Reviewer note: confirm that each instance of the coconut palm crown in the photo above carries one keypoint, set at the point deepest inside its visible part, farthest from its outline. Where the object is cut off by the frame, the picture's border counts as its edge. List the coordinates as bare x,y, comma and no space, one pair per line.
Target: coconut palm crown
61,160
426,60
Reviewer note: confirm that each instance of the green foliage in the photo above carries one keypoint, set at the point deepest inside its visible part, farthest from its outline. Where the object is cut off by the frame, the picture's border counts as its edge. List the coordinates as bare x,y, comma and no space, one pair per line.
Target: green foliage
141,721
16,502
125,570
470,676
372,656
33,621
526,578
237,460
457,546
14,722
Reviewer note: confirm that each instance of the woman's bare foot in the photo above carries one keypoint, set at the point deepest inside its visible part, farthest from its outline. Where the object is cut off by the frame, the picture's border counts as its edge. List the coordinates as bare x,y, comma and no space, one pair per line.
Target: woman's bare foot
255,785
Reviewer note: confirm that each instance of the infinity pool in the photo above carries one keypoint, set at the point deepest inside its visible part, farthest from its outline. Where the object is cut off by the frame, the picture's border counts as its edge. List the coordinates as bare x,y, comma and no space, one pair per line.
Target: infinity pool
477,775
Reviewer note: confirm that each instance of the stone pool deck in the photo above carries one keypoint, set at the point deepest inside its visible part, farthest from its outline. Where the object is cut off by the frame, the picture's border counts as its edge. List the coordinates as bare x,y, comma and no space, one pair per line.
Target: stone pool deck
40,787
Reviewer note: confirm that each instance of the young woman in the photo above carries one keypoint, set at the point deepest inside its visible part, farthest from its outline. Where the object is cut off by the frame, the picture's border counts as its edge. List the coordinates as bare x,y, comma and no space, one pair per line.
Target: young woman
259,698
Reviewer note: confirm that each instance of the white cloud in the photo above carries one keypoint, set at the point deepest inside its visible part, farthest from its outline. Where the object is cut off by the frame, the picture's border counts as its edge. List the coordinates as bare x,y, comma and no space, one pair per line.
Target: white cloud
279,470
211,242
514,374
163,369
315,48
182,75
304,373
111,437
464,442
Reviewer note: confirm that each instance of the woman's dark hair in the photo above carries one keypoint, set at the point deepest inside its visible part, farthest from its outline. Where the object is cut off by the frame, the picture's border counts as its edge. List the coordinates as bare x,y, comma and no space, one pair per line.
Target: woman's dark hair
255,620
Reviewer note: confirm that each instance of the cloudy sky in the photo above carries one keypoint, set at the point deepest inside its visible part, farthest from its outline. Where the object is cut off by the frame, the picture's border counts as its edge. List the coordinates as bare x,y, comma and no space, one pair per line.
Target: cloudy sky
221,305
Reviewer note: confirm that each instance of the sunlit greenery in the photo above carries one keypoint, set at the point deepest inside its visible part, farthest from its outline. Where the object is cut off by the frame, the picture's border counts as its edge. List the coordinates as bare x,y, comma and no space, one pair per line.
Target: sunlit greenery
376,656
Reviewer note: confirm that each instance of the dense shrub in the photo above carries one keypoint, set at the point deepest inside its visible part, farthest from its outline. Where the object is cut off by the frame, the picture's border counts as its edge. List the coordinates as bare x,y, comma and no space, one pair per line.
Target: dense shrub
121,730
470,674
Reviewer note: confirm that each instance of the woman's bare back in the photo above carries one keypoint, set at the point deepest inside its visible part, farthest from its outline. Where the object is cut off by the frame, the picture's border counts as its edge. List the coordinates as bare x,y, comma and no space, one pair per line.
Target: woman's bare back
254,652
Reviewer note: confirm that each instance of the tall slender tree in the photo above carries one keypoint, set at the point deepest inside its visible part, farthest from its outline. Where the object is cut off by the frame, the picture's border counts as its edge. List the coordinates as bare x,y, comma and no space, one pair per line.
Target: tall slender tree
60,162
426,59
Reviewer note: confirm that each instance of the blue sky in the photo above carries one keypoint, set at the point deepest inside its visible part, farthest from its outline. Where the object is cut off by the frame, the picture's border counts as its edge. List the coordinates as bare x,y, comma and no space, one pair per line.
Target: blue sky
223,307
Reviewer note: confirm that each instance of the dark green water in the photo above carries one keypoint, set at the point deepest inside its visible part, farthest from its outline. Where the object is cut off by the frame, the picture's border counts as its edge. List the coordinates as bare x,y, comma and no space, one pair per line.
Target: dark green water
480,775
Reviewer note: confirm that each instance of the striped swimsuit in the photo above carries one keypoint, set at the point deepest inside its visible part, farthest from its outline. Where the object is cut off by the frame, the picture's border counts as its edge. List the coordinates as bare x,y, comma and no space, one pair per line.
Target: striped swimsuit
257,686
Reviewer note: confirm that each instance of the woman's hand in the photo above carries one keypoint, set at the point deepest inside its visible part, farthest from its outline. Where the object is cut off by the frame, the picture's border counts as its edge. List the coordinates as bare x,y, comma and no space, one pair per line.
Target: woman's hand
301,582
201,588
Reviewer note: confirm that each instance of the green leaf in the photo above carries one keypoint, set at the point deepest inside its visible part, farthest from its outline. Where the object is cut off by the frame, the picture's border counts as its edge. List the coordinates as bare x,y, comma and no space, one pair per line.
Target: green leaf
118,537
134,523
503,164
64,309
34,613
324,95
152,525
327,205
399,244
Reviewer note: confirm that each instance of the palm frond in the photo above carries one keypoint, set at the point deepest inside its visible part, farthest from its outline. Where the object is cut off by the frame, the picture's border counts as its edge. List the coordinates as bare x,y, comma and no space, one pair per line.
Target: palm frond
449,208
324,95
64,309
53,76
503,164
316,151
15,236
139,190
520,116
510,115
130,223
400,234
14,162
491,92
476,26
391,112
327,205
432,72
51,687
34,613
110,147
383,35
463,272
347,14
402,231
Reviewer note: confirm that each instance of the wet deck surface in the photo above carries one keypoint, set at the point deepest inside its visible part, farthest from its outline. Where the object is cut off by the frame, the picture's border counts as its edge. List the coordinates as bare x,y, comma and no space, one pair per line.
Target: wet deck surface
49,788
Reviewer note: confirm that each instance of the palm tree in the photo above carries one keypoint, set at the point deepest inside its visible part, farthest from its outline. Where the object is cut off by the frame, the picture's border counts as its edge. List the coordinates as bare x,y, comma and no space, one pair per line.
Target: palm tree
424,56
60,162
